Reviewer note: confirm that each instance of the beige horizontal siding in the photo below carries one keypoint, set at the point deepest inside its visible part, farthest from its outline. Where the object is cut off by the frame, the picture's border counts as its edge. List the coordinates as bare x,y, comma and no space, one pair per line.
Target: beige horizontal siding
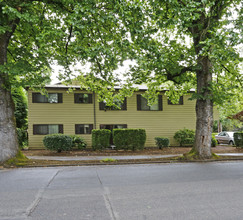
67,113
156,123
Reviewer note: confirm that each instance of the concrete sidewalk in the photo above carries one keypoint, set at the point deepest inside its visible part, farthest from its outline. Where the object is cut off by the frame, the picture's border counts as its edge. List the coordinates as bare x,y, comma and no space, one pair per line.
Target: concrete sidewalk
130,157
86,158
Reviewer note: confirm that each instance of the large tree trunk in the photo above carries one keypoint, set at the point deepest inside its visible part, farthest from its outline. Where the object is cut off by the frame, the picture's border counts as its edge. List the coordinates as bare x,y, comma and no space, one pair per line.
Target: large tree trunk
204,110
8,134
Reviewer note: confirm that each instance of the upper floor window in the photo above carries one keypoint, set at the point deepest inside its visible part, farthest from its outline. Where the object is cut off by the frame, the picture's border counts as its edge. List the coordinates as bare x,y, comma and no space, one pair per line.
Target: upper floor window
179,102
121,105
83,128
50,98
44,129
82,98
142,104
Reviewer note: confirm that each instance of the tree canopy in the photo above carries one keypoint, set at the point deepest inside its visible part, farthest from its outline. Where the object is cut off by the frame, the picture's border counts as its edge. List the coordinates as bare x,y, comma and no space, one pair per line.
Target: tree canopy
176,44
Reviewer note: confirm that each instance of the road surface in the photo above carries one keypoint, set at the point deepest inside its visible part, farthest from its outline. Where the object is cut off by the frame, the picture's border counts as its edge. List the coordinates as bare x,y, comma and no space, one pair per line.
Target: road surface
128,192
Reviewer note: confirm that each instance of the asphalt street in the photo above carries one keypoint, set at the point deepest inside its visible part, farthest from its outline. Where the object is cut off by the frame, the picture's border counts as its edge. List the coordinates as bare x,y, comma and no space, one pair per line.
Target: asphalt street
129,192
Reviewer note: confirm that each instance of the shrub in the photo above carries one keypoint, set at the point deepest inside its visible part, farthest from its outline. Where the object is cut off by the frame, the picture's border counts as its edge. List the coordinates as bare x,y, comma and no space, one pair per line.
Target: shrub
100,139
78,142
185,136
162,142
58,142
129,139
238,138
22,137
213,134
213,141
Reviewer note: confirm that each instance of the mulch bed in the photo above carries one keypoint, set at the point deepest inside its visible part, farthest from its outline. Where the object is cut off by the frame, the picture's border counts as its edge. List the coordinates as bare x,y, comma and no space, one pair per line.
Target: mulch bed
109,153
148,151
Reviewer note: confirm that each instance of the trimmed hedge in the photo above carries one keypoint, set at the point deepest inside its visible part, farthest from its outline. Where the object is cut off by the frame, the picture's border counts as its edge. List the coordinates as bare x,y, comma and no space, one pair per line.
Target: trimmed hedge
58,142
129,139
78,142
238,138
100,139
185,136
162,142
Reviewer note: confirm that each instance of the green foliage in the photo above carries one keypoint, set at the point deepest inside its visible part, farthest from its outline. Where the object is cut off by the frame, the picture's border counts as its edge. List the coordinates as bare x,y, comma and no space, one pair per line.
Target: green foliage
129,139
185,137
58,142
78,142
238,138
100,139
22,138
21,111
213,141
154,34
227,124
162,142
108,160
21,114
213,134
19,160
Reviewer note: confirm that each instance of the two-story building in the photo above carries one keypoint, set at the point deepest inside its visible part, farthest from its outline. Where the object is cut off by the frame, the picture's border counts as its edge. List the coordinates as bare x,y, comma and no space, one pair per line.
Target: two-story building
79,112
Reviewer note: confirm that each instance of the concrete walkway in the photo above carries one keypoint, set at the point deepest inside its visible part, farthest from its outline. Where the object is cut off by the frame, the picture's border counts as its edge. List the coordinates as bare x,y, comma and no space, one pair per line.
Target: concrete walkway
80,158
129,157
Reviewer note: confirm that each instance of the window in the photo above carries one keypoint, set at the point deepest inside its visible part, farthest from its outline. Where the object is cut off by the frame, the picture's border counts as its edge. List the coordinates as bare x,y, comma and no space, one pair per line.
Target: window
111,127
50,98
47,129
142,104
83,128
82,98
179,102
122,105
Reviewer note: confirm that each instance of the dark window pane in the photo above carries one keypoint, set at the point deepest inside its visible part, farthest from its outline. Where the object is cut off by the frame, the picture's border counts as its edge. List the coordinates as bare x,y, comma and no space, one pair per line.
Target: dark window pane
121,105
142,104
47,129
82,98
83,128
179,102
50,98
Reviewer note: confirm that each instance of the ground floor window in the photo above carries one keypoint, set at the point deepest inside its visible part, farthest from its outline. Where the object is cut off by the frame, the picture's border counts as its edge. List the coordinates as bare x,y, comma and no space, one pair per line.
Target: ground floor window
83,128
44,129
113,126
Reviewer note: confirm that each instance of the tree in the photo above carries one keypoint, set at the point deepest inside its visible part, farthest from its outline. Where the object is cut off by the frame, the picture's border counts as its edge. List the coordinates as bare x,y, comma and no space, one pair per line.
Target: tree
35,33
104,34
192,43
183,44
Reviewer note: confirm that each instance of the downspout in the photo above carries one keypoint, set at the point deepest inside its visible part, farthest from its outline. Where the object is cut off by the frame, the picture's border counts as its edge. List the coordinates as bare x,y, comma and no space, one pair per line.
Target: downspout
94,111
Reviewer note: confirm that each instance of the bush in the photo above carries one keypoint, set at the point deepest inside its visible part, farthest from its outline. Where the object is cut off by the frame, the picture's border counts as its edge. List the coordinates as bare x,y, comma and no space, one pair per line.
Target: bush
213,141
78,142
22,137
100,139
238,138
185,136
213,134
162,142
129,139
58,142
